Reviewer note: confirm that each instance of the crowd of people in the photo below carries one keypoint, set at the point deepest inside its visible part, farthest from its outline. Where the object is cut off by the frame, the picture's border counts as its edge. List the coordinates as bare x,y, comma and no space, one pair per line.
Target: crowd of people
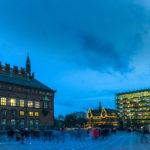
24,135
102,132
19,135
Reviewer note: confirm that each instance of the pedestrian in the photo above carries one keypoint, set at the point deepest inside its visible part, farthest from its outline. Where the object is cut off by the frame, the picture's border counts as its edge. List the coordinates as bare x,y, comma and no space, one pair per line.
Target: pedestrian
96,134
45,135
10,134
62,134
17,135
26,133
22,135
50,135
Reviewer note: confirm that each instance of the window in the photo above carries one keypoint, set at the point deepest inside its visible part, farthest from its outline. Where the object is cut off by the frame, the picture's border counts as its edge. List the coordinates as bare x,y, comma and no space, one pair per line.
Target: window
21,103
22,121
31,114
3,121
13,112
3,101
30,104
13,121
4,112
36,114
45,105
37,104
13,102
31,122
36,122
21,113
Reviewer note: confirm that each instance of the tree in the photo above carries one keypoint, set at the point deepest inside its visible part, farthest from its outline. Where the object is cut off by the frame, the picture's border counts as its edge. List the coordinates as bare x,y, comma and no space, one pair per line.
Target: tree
70,120
61,118
81,122
77,119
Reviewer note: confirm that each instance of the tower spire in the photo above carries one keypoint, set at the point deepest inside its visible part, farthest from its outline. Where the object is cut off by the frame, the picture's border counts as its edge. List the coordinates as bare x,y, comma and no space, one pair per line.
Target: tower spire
28,65
100,106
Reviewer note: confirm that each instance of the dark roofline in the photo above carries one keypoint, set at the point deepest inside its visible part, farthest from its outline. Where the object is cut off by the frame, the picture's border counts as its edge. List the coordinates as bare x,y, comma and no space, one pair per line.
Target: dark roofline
29,86
30,83
104,108
128,92
49,89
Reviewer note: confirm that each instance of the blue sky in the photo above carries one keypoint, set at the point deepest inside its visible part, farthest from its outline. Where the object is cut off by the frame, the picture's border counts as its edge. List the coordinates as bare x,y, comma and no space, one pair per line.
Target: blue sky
86,50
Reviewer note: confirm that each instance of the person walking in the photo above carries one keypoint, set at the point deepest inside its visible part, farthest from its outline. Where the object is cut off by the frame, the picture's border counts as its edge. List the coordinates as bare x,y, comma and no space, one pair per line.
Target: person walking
22,135
26,133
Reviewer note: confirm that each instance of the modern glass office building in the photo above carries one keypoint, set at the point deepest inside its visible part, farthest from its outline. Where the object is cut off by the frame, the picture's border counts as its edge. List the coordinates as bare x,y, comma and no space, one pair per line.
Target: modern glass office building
134,107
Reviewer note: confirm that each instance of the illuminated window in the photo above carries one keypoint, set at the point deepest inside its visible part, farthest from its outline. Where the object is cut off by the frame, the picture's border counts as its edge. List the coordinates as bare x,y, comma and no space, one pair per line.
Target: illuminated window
31,114
36,114
21,113
37,104
3,101
13,121
13,102
21,103
45,105
30,104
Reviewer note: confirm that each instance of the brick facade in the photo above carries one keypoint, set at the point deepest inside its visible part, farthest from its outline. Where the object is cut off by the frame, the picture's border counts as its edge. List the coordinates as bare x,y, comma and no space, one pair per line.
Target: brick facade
24,87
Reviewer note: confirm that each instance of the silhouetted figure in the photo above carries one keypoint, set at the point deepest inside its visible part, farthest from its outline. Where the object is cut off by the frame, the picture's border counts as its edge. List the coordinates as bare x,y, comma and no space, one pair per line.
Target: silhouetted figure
10,134
105,132
144,138
22,135
50,135
18,135
113,130
45,135
62,134
26,133
79,134
96,134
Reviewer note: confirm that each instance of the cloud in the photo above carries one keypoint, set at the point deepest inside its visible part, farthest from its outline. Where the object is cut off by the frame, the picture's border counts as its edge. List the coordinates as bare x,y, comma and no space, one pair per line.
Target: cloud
102,55
77,44
64,103
100,34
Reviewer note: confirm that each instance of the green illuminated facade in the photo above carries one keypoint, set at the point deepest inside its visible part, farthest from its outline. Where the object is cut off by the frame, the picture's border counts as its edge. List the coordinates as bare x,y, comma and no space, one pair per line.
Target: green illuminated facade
134,108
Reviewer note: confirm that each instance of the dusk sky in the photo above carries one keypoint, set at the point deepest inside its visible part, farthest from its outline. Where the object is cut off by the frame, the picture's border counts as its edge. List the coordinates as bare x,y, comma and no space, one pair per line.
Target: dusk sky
87,50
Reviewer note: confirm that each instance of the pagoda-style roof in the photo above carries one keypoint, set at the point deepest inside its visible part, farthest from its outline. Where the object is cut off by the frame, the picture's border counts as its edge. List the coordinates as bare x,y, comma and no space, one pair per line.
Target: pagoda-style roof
98,112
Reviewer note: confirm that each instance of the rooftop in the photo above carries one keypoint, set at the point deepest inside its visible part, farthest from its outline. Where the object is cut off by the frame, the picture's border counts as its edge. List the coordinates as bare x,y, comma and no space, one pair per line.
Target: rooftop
134,91
97,112
33,83
21,76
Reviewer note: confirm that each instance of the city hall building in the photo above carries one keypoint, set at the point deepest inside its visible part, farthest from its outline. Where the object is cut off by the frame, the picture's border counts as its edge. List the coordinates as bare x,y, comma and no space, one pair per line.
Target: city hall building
102,117
134,108
24,101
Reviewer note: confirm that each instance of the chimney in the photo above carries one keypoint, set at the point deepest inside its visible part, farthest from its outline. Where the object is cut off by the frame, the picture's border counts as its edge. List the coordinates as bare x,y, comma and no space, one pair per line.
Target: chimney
22,71
15,70
32,75
7,68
